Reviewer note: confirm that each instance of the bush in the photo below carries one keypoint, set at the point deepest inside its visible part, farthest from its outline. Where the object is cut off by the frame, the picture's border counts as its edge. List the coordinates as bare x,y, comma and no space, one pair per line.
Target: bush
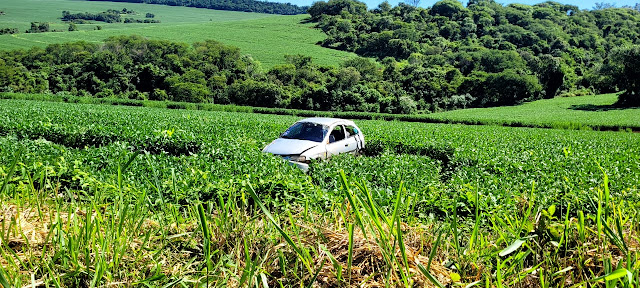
254,93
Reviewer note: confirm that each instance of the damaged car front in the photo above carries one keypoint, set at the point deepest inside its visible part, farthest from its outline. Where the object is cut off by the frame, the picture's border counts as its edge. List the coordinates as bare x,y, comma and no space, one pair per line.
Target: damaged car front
300,144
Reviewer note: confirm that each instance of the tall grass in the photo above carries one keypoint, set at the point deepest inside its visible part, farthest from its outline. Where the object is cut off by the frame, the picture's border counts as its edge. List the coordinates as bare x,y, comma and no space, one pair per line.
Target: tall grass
50,236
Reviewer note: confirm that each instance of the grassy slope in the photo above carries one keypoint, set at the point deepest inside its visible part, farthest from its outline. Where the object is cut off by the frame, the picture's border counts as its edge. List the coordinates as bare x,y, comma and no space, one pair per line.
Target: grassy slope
573,112
266,37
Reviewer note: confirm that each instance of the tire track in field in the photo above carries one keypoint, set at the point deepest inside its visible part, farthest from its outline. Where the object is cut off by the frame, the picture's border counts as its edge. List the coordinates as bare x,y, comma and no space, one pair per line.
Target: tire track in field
25,39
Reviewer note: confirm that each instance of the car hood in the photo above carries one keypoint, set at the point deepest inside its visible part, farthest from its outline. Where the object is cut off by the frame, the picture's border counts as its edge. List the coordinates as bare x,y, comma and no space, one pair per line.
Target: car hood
282,146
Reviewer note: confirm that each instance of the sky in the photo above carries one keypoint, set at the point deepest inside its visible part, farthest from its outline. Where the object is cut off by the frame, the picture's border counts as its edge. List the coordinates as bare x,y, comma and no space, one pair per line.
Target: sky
582,4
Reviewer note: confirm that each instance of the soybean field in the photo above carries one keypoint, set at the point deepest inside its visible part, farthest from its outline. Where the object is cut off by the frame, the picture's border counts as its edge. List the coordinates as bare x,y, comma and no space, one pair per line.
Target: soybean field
112,195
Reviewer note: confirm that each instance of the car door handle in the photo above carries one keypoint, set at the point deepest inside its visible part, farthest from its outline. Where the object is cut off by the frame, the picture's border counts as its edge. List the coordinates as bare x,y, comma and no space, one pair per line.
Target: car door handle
346,145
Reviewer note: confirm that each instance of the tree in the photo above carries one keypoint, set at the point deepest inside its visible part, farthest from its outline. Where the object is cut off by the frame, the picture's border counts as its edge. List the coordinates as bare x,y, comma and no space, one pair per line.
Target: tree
384,7
73,27
413,3
603,5
38,27
298,60
550,74
627,76
256,93
447,8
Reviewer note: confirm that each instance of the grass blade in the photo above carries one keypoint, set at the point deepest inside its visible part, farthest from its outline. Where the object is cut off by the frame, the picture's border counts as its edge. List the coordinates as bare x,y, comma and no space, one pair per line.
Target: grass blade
273,221
427,274
315,275
12,168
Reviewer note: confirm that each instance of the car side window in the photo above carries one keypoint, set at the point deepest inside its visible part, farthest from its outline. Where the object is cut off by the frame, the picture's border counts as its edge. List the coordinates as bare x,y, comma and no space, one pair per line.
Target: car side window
350,131
337,134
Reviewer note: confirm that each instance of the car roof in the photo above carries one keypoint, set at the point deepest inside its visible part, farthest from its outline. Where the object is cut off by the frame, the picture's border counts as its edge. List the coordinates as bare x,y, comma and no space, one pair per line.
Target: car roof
327,121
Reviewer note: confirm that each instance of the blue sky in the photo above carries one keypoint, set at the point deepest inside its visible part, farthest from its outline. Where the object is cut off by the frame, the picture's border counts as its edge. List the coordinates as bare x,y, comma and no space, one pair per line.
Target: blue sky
582,4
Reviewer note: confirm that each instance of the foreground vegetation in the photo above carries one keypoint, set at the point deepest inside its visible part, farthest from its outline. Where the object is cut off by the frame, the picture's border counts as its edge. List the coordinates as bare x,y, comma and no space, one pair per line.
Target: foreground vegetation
97,195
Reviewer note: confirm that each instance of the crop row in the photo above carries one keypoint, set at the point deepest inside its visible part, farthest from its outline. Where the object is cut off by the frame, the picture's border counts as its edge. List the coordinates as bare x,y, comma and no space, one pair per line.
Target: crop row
440,164
555,113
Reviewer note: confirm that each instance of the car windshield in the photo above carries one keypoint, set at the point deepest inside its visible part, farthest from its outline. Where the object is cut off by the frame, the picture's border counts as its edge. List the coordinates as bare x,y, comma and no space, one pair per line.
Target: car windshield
306,131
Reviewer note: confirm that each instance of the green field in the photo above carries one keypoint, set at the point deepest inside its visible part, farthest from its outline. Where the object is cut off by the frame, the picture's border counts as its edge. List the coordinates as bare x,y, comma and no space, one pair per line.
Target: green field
593,111
265,37
201,189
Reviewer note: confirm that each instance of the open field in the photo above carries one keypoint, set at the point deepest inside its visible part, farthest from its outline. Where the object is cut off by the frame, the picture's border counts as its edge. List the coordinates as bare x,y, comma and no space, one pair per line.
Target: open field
516,206
265,37
592,111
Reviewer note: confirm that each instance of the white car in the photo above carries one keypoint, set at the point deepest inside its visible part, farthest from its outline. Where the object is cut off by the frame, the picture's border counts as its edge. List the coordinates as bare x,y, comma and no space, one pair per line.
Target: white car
317,138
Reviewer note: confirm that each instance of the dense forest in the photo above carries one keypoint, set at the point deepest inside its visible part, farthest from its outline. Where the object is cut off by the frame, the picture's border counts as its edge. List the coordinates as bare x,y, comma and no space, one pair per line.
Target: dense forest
136,68
544,50
231,5
133,67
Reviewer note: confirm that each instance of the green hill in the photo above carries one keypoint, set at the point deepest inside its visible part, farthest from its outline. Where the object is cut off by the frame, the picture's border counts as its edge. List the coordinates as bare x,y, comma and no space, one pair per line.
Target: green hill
265,37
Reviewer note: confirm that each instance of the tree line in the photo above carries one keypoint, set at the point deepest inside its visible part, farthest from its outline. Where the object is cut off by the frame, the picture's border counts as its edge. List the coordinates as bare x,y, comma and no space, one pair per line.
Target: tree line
133,67
544,50
109,16
231,5
8,31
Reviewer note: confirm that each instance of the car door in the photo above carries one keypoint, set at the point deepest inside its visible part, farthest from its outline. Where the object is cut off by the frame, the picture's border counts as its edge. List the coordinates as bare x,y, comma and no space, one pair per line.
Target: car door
339,142
353,135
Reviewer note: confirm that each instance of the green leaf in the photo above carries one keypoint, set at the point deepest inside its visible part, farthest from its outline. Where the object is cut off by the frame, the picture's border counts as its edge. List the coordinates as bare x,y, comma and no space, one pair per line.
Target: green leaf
315,275
12,168
455,277
3,279
427,274
513,247
617,274
551,210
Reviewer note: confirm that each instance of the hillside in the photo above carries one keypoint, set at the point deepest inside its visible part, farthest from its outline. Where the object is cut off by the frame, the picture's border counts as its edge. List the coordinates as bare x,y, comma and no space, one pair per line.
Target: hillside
267,38
422,66
496,54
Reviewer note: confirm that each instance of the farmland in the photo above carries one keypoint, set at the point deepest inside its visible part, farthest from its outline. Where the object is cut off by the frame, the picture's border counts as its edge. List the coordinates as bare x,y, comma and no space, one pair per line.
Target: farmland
265,37
181,196
592,111
168,186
